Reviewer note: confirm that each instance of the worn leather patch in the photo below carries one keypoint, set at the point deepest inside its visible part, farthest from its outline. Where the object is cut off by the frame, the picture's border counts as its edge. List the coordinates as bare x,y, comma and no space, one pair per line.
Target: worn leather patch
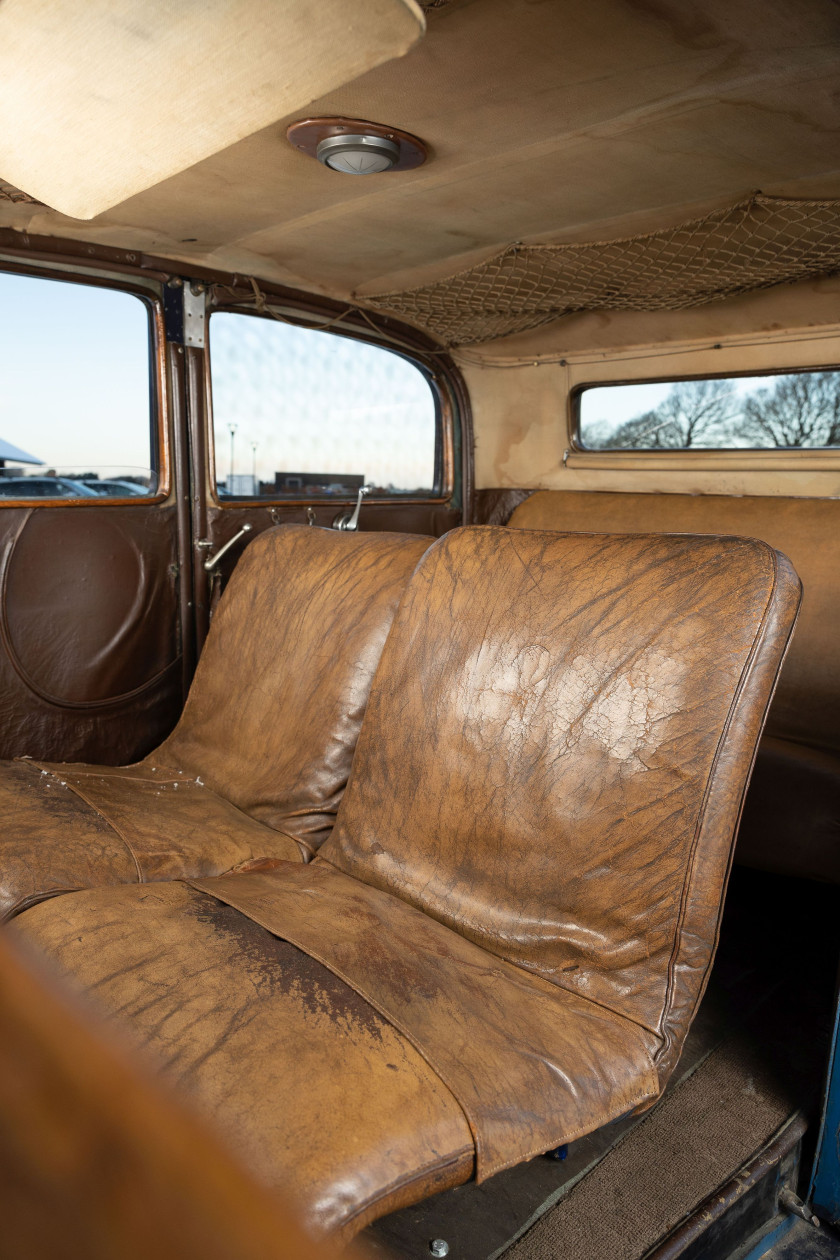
318,1095
532,1065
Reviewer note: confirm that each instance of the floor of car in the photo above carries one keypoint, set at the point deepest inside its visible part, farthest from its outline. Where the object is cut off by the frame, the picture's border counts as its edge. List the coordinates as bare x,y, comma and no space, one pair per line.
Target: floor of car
754,1057
805,1243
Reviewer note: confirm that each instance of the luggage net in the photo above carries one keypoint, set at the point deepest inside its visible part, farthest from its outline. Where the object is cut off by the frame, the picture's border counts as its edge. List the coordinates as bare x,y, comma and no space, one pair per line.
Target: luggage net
759,242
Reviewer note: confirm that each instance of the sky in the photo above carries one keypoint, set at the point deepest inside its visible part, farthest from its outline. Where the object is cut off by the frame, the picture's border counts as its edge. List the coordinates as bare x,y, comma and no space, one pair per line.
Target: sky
315,402
74,375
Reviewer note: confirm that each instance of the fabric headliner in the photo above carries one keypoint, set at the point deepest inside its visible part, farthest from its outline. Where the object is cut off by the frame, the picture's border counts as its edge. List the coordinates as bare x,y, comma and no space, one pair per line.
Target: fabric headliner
152,89
540,129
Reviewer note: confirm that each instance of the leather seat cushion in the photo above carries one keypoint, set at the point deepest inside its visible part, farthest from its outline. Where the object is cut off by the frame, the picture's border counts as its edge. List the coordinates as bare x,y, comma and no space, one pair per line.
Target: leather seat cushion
791,821
533,1064
67,827
364,1072
314,1091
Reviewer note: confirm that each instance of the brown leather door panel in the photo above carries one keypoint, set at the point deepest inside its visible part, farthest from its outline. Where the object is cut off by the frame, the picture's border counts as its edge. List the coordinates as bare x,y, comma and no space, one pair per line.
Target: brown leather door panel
89,634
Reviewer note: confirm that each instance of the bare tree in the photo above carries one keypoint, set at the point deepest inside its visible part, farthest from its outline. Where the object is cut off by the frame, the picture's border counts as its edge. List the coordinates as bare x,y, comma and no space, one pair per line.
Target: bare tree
695,413
802,409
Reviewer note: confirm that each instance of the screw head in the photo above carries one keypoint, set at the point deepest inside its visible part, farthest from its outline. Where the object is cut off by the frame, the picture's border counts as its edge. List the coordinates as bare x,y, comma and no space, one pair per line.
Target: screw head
439,1247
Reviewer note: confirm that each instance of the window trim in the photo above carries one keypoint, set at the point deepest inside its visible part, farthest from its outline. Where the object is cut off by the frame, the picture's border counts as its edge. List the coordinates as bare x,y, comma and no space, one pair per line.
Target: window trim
355,328
159,445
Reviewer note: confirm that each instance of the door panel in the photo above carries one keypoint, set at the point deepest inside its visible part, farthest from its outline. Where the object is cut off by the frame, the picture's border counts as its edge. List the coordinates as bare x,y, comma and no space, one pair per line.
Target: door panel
91,604
90,659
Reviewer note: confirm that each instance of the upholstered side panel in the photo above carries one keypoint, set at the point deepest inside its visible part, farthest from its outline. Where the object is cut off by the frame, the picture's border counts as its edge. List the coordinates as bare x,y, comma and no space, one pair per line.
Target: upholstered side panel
791,821
565,718
807,703
90,663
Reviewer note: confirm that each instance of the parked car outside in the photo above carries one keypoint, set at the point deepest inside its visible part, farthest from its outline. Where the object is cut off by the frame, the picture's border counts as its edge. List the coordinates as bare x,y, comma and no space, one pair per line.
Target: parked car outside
44,488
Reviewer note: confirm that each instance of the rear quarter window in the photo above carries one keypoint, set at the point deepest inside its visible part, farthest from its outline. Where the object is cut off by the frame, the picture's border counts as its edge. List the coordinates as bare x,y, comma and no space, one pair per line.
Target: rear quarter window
784,411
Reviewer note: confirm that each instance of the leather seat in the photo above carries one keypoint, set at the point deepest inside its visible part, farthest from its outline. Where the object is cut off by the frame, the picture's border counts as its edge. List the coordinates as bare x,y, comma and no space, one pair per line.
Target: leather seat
246,1025
258,761
521,894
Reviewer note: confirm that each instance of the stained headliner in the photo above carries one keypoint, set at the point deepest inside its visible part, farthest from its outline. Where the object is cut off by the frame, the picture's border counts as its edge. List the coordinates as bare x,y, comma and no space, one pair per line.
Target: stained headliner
547,120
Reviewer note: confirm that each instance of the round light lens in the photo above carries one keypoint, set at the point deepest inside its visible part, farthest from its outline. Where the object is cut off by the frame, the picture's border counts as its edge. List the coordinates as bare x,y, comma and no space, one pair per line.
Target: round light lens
358,155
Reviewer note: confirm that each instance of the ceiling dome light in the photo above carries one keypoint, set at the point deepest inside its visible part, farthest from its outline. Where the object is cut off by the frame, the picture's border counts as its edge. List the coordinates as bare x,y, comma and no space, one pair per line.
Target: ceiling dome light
358,155
356,147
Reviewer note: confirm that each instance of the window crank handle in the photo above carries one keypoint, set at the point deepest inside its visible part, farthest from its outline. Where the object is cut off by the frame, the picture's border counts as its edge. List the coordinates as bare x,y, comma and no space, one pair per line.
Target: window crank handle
350,520
211,561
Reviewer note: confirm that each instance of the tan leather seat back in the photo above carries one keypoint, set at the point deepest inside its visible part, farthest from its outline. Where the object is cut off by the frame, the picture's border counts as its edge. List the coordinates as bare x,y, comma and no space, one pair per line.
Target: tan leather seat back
807,703
556,747
274,712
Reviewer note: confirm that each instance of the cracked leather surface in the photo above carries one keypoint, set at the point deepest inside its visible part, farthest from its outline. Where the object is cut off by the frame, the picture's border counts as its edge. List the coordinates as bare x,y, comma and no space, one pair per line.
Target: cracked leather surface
298,1072
259,760
572,748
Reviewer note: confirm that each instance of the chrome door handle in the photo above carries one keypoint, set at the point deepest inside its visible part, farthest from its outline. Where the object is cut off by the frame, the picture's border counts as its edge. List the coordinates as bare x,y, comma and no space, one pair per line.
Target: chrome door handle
211,561
350,520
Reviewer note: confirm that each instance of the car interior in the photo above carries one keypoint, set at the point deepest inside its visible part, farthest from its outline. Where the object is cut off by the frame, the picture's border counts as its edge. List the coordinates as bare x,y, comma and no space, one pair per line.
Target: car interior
419,676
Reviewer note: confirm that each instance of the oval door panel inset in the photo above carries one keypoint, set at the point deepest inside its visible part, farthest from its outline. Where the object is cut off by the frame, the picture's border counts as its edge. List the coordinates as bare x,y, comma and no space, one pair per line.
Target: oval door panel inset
90,602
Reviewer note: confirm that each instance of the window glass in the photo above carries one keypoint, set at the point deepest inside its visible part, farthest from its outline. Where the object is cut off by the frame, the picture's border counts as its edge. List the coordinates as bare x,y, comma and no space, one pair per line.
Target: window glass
299,413
798,409
75,396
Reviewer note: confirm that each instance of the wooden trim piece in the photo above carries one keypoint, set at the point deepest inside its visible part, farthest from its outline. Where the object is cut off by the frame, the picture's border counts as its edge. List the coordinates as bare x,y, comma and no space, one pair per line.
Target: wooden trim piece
803,460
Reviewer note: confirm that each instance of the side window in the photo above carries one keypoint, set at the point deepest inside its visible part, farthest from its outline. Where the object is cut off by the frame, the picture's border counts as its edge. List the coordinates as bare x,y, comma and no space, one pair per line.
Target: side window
789,411
76,398
301,414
